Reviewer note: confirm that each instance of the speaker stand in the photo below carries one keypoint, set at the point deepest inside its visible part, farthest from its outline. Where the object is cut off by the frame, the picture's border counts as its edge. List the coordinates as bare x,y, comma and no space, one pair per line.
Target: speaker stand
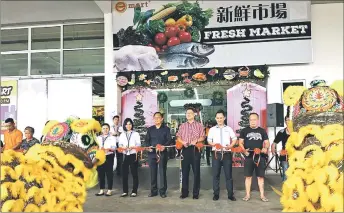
277,165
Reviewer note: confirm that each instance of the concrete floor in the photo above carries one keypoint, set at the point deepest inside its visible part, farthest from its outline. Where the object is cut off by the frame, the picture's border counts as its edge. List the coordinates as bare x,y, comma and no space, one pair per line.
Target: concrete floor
142,203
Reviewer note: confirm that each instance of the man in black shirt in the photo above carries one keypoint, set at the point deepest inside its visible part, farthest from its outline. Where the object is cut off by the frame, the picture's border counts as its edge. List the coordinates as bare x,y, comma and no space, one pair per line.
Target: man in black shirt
254,137
158,134
283,136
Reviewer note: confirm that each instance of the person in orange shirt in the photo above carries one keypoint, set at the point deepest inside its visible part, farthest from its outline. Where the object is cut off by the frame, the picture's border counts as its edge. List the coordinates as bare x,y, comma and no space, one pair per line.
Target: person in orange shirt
12,137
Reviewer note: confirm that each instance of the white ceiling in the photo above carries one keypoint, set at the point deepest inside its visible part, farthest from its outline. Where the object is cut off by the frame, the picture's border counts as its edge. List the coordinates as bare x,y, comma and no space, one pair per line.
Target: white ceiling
21,12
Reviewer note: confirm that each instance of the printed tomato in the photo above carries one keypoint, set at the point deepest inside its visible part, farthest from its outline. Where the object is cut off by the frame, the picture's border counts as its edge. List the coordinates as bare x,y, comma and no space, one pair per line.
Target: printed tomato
173,41
171,32
184,37
160,39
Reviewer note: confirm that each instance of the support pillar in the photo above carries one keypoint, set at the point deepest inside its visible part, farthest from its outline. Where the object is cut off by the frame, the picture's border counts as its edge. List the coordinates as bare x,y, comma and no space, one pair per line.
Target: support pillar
111,89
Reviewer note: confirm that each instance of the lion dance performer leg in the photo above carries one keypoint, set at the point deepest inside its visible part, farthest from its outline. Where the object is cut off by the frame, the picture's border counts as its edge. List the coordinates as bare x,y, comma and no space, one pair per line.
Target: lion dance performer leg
315,149
52,176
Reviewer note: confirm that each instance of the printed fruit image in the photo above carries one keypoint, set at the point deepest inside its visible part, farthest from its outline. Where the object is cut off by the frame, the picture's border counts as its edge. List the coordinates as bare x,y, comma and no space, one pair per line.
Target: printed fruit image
174,24
173,41
258,73
170,22
186,20
315,149
160,39
171,31
184,37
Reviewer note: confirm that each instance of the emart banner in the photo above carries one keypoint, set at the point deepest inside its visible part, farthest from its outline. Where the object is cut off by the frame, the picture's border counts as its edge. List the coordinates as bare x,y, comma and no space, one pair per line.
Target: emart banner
154,35
8,101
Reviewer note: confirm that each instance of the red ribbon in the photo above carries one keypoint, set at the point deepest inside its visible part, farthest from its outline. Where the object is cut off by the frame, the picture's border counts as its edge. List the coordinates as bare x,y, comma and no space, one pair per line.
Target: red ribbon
218,146
159,148
256,151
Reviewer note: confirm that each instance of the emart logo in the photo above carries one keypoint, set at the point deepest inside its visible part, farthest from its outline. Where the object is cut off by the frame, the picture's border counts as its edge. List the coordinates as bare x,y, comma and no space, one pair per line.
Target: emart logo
121,6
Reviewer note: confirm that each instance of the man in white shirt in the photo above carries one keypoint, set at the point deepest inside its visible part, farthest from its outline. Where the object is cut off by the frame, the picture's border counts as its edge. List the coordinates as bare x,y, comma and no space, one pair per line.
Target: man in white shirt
116,130
222,134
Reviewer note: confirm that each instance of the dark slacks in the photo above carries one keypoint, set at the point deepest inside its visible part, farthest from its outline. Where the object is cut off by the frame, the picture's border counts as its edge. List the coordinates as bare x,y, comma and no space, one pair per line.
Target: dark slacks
130,161
119,156
226,163
153,165
192,158
106,169
207,154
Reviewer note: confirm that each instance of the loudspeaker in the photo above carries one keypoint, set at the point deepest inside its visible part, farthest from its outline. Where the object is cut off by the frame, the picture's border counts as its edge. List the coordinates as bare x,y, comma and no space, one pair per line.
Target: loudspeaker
275,115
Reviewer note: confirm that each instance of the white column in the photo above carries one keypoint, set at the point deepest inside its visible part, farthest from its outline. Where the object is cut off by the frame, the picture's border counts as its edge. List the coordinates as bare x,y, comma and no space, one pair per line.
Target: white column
111,93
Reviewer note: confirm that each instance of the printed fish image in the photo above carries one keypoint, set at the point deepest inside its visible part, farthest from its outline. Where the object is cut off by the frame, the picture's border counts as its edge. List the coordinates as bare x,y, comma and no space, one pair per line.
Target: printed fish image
170,61
192,48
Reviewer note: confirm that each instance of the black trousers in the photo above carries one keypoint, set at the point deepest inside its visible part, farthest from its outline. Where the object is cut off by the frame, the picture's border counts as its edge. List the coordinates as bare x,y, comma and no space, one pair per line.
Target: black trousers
119,156
130,161
207,154
226,163
106,169
192,158
153,165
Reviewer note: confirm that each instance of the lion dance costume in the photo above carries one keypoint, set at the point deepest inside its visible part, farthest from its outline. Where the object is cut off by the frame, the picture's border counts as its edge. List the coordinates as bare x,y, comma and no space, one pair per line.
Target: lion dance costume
52,176
315,149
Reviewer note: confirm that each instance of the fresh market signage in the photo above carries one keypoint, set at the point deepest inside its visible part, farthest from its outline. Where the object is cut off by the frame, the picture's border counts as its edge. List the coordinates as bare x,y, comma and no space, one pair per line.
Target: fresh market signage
159,35
257,33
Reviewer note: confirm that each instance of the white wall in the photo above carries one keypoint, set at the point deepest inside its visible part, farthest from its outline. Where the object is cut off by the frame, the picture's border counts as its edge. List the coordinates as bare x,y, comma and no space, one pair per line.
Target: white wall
327,39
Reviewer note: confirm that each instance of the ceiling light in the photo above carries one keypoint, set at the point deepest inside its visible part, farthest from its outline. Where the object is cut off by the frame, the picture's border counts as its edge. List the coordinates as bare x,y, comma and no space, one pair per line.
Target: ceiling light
167,90
180,103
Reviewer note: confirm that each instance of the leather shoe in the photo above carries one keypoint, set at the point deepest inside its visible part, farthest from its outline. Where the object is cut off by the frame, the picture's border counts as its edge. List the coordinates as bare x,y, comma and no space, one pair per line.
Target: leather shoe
216,197
195,197
163,196
152,195
183,196
232,198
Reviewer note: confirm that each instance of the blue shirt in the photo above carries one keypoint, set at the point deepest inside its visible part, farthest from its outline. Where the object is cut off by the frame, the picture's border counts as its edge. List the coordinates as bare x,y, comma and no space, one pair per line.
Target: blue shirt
157,136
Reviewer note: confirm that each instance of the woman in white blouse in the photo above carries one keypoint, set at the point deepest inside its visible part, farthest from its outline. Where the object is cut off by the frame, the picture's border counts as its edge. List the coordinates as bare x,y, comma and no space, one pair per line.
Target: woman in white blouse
129,139
108,143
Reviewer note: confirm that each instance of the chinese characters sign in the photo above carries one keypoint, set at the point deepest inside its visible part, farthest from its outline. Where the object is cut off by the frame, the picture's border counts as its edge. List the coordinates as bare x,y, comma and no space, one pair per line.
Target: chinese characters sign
245,13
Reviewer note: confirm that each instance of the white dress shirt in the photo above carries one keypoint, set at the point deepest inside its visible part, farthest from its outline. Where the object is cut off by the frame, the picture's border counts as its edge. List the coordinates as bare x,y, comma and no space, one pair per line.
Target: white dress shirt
107,142
129,139
221,135
115,129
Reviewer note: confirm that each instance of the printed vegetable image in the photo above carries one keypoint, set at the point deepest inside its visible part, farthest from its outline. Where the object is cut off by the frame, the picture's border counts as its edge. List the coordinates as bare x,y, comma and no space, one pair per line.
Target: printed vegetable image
170,26
173,41
185,20
164,13
171,31
160,39
170,22
184,37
